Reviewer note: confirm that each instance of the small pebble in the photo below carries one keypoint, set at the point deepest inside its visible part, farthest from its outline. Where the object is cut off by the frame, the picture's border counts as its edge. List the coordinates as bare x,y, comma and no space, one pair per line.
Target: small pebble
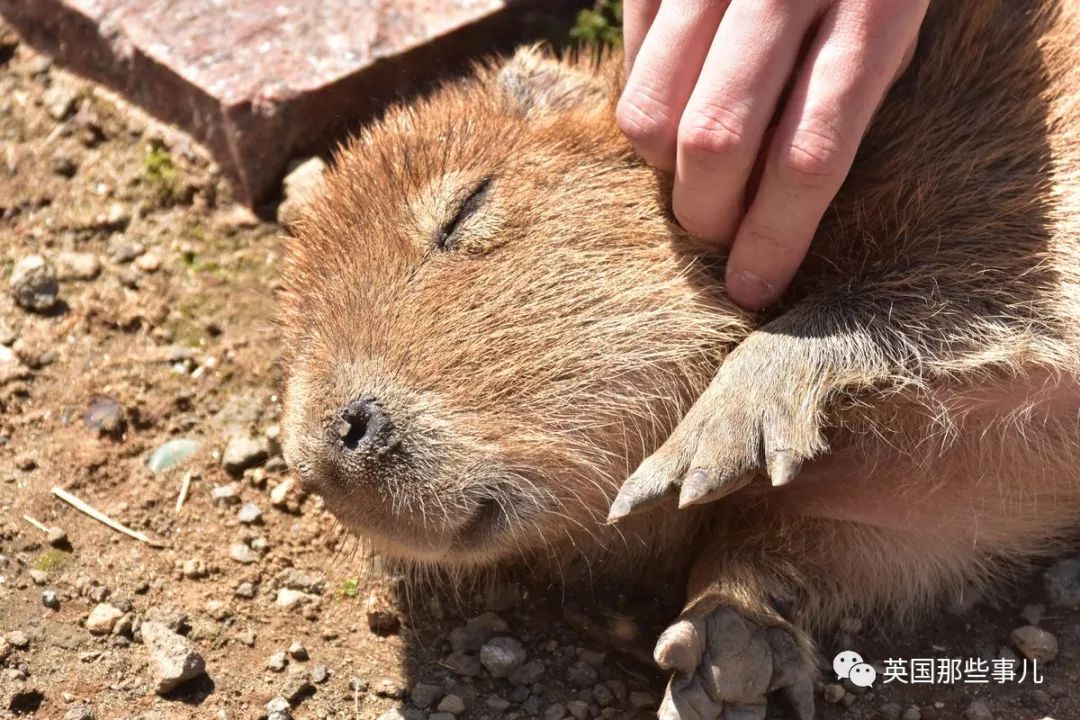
452,704
497,703
193,569
278,709
555,712
123,250
1034,643
245,590
77,266
103,619
243,452
297,684
320,674
225,495
579,709
243,554
834,693
18,640
149,262
297,650
57,537
502,655
581,675
80,712
175,658
33,284
424,694
59,100
50,600
249,514
277,662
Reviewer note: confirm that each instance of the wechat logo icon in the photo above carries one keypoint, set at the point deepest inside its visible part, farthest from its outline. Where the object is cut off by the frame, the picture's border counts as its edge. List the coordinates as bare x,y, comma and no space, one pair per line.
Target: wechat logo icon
849,665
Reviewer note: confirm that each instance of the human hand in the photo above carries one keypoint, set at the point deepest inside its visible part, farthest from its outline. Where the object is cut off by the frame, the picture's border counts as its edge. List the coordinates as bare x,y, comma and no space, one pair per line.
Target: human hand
707,77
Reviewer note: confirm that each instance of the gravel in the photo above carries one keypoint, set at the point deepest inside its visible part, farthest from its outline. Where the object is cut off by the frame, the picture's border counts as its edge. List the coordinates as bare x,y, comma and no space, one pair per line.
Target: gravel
57,537
225,494
249,514
452,704
59,100
50,599
833,693
320,674
103,619
194,569
174,658
1034,643
463,665
244,451
278,709
33,284
76,266
555,711
297,650
243,554
297,684
502,655
277,661
476,631
423,695
18,640
581,675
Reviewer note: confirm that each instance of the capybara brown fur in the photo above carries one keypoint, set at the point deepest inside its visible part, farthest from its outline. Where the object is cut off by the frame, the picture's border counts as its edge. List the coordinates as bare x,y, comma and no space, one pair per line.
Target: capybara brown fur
491,321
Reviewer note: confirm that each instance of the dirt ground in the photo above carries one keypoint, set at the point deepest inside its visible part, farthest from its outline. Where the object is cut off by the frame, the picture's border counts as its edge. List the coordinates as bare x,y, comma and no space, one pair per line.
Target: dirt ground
163,331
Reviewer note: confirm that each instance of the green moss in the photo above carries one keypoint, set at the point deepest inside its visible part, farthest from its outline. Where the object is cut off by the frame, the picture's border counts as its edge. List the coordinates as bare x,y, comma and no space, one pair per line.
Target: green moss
348,588
161,174
52,559
602,25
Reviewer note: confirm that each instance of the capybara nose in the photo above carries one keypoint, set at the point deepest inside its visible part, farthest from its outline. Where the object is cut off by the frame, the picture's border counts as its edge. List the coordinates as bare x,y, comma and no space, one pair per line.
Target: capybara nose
364,426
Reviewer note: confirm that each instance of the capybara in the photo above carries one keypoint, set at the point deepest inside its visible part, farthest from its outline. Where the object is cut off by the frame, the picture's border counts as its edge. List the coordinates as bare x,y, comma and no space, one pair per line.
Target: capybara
491,321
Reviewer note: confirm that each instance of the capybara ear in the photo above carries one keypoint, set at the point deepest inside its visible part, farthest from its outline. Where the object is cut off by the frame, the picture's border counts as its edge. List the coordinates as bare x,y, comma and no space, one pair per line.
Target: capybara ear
538,83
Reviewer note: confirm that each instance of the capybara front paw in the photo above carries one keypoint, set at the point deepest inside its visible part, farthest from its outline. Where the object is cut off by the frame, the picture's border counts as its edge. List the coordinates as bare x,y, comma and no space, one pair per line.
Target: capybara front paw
758,413
725,667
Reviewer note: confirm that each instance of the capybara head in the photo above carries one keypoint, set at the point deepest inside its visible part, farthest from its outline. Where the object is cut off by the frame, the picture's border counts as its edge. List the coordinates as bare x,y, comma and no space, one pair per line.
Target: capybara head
490,319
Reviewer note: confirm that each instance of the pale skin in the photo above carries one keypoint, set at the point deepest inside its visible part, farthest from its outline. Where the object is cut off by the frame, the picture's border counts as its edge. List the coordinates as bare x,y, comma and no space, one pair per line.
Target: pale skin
758,107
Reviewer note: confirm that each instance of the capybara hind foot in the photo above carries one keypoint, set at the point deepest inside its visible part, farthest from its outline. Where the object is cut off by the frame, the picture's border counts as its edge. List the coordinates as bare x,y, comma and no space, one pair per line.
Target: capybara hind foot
726,665
763,409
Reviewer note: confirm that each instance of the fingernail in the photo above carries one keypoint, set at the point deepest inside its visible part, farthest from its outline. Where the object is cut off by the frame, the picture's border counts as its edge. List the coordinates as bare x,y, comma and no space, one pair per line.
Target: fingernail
749,290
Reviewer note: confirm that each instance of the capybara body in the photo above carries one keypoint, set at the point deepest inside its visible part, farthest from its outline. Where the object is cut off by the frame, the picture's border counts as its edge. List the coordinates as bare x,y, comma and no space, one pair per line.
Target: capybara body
491,321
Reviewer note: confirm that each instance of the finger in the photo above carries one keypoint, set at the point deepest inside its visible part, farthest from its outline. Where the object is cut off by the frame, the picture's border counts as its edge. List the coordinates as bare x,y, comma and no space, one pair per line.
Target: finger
851,64
720,132
638,15
663,76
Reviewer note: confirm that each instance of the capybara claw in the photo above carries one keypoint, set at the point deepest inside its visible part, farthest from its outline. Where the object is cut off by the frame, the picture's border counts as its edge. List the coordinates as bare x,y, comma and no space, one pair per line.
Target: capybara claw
648,486
726,666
